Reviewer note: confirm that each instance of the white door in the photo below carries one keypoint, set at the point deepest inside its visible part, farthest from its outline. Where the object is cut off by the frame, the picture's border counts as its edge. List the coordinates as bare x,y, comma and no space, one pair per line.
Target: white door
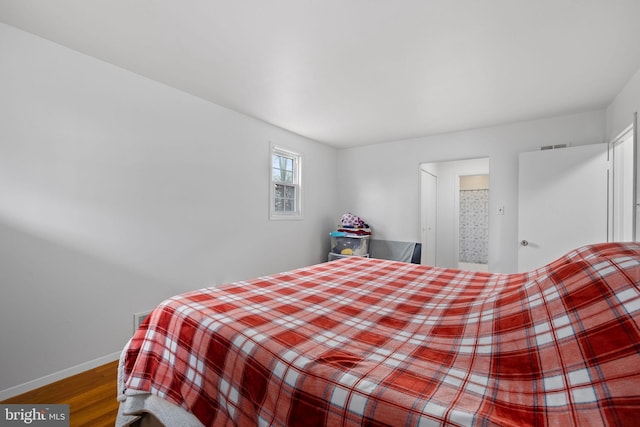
429,188
562,202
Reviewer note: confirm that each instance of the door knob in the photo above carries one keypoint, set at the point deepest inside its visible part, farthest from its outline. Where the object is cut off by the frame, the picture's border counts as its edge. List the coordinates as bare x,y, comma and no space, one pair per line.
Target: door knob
524,243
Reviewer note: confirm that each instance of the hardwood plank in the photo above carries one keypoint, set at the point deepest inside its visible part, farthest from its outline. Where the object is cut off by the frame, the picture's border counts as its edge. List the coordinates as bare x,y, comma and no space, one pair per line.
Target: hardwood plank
91,396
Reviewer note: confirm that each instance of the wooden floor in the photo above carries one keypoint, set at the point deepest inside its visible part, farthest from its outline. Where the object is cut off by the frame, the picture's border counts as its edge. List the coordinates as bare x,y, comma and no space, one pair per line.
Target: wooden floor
91,396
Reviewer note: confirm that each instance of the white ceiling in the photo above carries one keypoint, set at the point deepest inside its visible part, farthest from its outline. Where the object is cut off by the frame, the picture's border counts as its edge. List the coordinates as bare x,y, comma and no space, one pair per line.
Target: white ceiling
350,72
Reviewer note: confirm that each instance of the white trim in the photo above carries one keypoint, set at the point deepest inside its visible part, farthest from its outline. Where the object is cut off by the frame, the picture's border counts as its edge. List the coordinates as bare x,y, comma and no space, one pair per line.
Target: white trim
622,134
56,376
635,176
630,131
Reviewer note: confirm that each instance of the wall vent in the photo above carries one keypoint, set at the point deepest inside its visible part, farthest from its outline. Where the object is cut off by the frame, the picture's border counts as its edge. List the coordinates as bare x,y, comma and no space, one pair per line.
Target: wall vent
552,147
138,318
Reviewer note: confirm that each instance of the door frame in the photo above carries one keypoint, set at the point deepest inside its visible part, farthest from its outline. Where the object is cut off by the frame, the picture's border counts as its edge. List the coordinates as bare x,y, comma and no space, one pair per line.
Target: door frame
628,132
447,187
429,249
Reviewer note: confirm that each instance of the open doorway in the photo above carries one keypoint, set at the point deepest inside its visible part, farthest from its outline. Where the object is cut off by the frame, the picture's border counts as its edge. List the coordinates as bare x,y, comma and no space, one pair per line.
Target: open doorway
622,187
442,213
473,223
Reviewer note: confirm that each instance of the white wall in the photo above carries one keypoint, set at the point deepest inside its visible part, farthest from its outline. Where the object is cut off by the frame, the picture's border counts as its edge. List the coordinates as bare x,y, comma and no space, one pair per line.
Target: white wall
117,192
620,111
381,182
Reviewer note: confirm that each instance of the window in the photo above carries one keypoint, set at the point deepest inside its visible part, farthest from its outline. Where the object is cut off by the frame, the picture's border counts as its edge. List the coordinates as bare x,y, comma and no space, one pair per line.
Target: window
285,198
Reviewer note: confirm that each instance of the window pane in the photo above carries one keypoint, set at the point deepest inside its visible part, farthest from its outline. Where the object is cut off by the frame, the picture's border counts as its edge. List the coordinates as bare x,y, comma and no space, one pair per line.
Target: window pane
279,190
284,198
280,175
289,192
282,169
289,205
288,177
279,162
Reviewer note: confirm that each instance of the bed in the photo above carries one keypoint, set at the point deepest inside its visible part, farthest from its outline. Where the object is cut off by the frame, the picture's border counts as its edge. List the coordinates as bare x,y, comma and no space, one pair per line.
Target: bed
370,342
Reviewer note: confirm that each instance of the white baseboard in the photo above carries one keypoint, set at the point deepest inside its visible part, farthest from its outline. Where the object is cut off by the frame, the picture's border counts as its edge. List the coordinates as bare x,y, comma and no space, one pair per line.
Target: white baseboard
56,376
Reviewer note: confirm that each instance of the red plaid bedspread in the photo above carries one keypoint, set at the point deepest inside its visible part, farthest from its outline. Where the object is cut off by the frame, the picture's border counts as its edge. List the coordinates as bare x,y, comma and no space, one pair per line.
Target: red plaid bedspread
370,342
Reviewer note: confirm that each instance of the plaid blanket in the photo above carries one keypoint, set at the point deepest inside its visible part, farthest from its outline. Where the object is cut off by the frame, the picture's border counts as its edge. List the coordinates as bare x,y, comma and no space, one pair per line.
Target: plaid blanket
371,342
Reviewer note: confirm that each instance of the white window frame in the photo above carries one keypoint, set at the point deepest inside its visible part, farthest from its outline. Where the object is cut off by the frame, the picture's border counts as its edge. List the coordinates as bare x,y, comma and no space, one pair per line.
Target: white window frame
297,184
